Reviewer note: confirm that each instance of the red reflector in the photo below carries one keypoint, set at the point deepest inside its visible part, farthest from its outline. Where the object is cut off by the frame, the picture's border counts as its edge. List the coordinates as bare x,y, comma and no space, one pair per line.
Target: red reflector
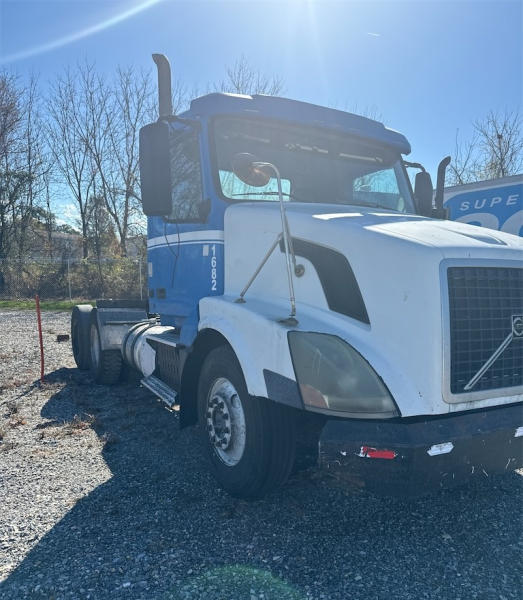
370,452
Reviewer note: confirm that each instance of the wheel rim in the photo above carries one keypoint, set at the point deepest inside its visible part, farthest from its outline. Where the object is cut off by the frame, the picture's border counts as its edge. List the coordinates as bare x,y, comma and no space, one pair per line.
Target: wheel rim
225,421
95,347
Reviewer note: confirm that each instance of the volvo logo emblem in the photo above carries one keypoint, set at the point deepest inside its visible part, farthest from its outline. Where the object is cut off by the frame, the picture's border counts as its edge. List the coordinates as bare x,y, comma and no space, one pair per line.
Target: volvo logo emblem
517,325
515,332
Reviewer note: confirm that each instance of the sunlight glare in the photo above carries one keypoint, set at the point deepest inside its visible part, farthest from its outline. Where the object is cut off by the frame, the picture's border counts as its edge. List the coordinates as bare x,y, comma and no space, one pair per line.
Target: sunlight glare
79,35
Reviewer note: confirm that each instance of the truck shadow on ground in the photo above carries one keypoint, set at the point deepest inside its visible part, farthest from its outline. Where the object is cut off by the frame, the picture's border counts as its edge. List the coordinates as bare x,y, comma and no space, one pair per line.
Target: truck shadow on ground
160,528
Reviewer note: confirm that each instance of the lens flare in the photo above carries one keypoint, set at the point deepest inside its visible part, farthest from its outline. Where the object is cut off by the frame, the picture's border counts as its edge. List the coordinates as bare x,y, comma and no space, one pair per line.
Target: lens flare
79,35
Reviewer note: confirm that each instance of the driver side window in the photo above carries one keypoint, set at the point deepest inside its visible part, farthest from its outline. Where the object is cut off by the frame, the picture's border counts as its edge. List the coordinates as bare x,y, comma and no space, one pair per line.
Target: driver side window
187,193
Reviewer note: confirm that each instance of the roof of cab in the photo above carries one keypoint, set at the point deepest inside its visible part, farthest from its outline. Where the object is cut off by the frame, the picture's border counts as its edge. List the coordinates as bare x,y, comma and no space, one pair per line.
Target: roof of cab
297,112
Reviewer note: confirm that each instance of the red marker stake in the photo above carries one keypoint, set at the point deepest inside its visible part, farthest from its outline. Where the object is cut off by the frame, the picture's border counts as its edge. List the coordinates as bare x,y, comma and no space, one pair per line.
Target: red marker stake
39,319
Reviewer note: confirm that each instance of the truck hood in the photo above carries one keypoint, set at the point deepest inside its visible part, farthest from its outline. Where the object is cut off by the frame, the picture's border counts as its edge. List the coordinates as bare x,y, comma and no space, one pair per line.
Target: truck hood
399,263
449,237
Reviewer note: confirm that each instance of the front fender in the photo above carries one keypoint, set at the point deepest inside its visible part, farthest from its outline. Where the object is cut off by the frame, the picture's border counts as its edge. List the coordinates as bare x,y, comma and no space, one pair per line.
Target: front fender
256,336
259,339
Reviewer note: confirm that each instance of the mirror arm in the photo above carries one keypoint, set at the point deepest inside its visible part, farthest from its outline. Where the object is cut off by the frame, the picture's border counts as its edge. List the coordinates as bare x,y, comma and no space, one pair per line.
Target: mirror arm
414,165
240,299
286,237
289,251
195,123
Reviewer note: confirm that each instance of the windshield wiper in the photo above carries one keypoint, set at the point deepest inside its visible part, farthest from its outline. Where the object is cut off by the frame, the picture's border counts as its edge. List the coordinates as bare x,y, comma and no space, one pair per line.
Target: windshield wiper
293,197
268,194
371,205
368,204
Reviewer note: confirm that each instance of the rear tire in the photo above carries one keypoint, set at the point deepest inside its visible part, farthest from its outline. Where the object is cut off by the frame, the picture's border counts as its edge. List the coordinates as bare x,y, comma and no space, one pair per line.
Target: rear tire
80,324
249,441
105,365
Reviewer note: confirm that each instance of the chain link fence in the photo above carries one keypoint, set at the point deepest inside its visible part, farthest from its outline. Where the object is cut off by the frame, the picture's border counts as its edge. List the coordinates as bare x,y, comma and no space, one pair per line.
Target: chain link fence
70,279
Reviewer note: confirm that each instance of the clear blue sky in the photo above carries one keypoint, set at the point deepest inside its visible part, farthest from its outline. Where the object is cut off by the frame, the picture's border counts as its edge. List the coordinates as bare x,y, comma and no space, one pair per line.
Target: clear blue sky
428,68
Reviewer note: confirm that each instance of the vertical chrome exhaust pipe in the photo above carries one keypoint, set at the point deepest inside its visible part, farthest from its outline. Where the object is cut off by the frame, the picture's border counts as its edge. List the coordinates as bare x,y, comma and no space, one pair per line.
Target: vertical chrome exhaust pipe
441,212
165,103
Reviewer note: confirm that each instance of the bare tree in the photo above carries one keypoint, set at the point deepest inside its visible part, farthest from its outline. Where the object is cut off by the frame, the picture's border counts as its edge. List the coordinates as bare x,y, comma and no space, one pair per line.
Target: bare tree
500,144
134,106
22,164
100,232
243,78
10,114
50,218
495,150
115,114
463,168
11,181
68,128
35,164
180,96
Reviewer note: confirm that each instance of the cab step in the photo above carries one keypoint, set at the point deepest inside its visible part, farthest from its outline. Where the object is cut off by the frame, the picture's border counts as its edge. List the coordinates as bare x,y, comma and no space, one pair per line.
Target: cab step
160,389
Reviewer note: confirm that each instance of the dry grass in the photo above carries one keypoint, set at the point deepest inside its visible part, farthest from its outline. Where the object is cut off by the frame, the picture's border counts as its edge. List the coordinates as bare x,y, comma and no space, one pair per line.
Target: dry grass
41,453
79,425
15,383
17,421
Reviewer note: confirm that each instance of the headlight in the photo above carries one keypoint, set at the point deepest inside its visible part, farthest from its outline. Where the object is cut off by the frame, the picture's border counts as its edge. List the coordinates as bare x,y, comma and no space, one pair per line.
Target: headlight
334,377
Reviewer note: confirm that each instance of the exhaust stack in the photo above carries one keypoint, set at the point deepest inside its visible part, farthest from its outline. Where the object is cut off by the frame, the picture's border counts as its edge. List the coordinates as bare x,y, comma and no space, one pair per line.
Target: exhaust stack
440,183
165,103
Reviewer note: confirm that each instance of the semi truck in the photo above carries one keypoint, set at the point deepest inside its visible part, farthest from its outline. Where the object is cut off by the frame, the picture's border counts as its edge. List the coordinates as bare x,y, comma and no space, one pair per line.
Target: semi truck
307,308
494,204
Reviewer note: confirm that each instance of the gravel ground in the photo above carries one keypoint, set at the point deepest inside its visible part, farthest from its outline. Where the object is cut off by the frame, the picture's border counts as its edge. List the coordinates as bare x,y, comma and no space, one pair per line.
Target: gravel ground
102,496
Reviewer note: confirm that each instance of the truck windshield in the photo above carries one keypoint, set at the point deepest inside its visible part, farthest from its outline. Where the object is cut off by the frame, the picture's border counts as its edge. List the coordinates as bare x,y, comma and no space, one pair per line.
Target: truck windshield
315,165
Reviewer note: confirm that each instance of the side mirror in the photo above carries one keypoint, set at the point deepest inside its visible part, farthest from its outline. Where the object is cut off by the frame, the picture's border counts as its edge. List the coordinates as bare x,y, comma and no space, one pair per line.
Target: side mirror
155,169
423,192
245,166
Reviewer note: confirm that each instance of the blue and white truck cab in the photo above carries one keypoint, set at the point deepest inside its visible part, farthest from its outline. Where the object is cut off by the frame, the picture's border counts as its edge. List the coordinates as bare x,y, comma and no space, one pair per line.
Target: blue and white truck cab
305,308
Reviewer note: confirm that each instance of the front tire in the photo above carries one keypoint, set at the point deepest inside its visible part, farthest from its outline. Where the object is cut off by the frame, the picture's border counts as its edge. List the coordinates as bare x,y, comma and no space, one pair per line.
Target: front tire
105,365
249,441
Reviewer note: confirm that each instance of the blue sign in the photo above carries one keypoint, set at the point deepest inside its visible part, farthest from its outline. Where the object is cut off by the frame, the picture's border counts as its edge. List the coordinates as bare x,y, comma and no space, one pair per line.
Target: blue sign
498,208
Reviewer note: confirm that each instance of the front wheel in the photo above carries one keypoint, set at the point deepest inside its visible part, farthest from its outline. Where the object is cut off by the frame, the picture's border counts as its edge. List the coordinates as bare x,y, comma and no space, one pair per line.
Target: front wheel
249,441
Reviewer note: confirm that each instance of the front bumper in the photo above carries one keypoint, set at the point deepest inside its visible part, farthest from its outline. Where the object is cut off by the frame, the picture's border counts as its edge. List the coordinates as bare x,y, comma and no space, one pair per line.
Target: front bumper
419,455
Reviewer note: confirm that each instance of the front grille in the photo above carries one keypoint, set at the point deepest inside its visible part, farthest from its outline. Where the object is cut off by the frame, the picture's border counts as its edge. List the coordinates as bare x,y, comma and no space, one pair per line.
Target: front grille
482,302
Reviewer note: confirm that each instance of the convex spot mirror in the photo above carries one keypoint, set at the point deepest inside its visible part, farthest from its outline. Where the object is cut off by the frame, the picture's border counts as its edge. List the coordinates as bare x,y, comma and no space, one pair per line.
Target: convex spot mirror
249,170
155,169
423,192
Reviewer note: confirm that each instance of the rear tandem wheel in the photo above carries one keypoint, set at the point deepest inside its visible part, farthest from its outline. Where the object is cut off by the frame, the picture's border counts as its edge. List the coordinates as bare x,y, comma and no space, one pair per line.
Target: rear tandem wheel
80,324
105,365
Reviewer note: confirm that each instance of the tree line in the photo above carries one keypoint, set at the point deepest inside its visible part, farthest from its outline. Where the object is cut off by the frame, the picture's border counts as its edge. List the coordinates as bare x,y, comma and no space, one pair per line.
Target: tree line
494,150
80,140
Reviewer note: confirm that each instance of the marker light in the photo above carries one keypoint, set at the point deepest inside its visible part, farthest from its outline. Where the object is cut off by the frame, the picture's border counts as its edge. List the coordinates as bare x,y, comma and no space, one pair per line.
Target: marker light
370,452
